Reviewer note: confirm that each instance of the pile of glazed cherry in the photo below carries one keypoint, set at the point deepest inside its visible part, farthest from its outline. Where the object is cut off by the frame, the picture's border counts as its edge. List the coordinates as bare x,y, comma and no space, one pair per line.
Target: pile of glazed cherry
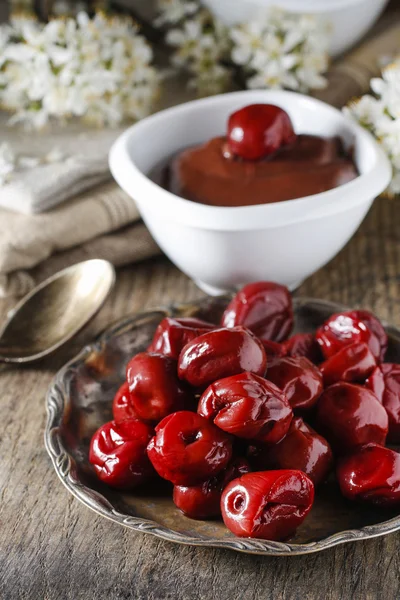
224,412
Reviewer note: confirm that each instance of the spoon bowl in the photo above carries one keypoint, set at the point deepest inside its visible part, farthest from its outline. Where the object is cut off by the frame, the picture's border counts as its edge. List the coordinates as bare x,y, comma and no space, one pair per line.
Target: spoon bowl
54,311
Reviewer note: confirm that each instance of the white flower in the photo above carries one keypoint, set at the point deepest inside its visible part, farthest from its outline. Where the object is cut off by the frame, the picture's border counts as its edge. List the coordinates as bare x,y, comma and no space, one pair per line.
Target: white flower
282,50
380,114
7,163
173,11
98,69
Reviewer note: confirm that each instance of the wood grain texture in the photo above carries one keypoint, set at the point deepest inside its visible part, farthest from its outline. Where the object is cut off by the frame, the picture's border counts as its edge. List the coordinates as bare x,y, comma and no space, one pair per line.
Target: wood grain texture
52,547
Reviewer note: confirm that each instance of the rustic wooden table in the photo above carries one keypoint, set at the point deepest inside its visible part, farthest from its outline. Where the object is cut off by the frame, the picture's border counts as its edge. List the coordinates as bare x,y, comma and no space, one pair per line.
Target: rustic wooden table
53,548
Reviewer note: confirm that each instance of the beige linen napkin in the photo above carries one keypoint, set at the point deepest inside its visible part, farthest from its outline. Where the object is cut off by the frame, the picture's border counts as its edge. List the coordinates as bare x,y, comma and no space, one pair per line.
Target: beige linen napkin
82,224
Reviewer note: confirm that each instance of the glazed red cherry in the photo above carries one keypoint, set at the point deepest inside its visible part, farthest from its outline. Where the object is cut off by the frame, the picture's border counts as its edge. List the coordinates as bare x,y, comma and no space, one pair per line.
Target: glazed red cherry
154,386
303,344
352,363
372,474
259,130
269,505
349,416
118,453
248,407
173,334
273,349
302,448
122,407
299,379
263,307
187,449
385,383
343,329
221,353
203,501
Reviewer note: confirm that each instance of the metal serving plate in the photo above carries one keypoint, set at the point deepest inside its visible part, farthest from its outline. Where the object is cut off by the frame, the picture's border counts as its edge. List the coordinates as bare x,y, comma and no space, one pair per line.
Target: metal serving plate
79,401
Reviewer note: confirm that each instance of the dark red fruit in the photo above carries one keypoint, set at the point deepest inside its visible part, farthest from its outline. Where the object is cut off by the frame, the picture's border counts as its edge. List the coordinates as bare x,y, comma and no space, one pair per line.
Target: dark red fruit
263,307
349,416
259,130
273,349
187,449
173,334
303,344
221,353
302,448
154,386
203,501
352,363
268,505
343,329
385,383
247,406
118,453
371,474
299,379
122,407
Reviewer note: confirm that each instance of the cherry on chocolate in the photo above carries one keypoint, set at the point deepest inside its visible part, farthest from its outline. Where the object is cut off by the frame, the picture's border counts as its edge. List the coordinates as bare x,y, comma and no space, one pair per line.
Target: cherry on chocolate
154,386
259,130
187,449
349,416
302,449
118,453
352,363
372,475
122,407
221,353
263,307
344,329
173,334
203,501
299,379
247,406
385,383
303,344
269,505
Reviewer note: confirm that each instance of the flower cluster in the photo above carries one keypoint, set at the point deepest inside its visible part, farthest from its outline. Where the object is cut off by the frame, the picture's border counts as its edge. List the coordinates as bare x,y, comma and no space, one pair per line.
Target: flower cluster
380,114
98,69
278,50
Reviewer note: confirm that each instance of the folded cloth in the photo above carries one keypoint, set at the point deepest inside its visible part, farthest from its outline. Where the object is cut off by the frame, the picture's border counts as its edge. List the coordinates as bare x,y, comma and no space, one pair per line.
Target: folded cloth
26,241
83,164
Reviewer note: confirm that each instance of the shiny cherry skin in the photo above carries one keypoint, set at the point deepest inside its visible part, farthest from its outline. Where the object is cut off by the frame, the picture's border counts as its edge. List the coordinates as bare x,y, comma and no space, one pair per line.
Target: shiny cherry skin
349,416
173,334
273,349
268,505
352,363
372,475
154,386
259,130
118,453
187,449
343,329
263,307
385,383
122,407
302,449
303,344
248,407
221,353
299,379
203,501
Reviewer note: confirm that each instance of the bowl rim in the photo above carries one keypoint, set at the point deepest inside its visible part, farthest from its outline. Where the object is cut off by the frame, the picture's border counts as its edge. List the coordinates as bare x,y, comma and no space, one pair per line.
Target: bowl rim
154,198
63,463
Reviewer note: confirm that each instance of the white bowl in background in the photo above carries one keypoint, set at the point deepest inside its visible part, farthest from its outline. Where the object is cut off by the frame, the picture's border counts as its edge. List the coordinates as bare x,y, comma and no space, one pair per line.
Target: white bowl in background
350,19
222,248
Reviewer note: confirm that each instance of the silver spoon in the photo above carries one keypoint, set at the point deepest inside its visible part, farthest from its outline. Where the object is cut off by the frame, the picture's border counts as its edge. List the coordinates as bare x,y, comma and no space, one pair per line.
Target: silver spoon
53,312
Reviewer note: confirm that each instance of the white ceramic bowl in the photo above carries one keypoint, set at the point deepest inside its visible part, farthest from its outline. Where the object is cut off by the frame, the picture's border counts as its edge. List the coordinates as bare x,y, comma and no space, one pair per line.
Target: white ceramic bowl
222,248
350,19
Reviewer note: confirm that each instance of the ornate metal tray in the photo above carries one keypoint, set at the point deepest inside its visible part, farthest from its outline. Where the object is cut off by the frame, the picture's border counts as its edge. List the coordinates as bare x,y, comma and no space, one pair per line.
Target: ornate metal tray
79,401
